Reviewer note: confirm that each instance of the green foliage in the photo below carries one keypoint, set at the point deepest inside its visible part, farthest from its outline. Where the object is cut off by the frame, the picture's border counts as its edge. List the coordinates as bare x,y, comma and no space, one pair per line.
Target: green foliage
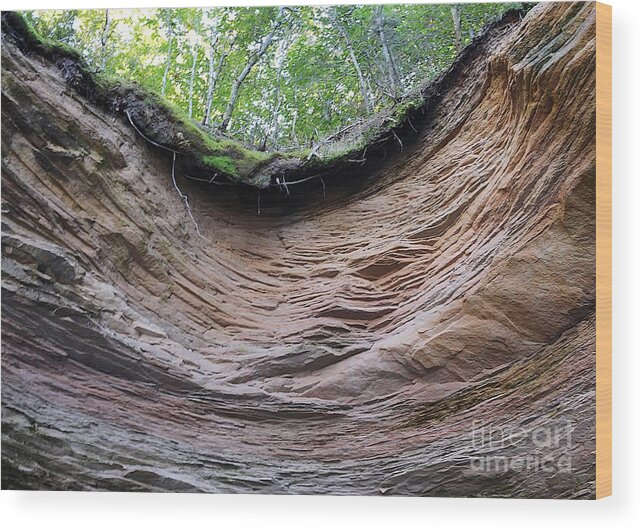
304,87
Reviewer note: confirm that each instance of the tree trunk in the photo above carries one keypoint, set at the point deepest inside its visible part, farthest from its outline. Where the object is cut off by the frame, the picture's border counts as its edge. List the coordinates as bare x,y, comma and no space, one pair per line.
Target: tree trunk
195,54
254,58
293,129
366,97
211,81
455,14
389,61
275,109
281,58
213,74
103,41
170,36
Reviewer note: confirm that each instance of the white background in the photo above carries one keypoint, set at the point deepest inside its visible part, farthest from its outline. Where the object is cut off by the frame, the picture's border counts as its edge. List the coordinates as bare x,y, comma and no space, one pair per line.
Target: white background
98,511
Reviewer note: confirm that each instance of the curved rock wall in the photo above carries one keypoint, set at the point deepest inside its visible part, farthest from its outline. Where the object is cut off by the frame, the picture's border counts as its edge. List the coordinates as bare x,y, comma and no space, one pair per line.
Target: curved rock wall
344,342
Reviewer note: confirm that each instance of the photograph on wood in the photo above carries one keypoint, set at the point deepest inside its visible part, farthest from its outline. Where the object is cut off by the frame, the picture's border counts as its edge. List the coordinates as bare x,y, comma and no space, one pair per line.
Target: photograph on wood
343,250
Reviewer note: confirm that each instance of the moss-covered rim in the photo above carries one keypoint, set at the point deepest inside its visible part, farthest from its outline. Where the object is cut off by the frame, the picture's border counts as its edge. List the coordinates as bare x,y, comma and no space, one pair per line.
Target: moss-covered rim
222,160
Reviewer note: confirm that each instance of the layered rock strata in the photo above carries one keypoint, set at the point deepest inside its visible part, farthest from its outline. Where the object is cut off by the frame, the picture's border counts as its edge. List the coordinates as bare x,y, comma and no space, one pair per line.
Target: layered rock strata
348,339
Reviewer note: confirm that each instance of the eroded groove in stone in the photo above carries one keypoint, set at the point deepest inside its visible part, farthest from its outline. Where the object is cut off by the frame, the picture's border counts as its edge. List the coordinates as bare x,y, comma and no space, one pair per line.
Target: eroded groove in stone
343,344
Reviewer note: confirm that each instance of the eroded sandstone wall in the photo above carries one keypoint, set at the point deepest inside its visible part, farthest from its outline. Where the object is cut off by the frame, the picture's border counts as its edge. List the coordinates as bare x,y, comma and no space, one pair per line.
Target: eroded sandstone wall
342,343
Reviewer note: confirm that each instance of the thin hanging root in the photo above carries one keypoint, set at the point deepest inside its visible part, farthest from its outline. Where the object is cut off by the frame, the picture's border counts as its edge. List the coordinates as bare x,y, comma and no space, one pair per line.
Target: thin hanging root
210,181
281,182
259,203
129,117
323,184
398,139
184,197
174,153
409,120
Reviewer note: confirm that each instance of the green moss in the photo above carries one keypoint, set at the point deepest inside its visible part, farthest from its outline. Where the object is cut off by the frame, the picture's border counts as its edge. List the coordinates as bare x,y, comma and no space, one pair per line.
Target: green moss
221,163
223,155
109,82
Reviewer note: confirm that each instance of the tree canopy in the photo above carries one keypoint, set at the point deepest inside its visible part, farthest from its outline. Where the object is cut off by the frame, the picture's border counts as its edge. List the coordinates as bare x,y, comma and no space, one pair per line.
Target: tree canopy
274,77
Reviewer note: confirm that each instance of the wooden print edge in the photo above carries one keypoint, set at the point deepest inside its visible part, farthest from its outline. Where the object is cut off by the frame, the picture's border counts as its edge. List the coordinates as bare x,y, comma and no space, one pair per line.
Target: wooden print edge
603,250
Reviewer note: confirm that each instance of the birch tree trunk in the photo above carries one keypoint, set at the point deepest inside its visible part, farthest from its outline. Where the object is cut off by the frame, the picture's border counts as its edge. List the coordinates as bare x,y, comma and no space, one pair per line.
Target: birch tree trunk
213,75
366,96
281,59
211,80
293,128
389,61
457,26
252,61
274,129
103,41
195,54
170,36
